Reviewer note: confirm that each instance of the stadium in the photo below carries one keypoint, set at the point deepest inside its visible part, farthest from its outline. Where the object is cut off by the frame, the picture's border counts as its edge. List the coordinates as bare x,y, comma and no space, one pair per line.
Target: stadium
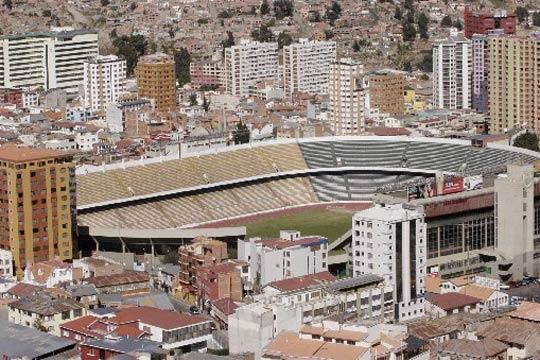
227,192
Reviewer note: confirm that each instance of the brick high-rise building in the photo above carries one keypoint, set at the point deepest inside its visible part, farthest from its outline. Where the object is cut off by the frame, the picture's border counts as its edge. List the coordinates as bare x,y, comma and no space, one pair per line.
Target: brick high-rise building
385,92
482,23
156,80
37,204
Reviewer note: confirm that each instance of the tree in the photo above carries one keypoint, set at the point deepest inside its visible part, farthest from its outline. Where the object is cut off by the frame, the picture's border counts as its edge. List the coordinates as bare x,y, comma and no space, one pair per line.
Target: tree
458,25
262,34
314,16
182,59
423,23
284,39
130,48
398,15
193,99
229,41
241,134
409,32
133,6
206,104
407,66
426,65
333,12
328,34
446,21
356,46
264,8
38,325
409,5
225,14
536,18
527,140
522,13
105,3
8,4
283,8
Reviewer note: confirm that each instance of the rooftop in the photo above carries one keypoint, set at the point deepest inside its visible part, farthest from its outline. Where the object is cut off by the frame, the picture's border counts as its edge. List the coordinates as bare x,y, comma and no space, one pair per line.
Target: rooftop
451,301
127,277
45,305
302,282
527,311
124,344
480,349
13,153
165,319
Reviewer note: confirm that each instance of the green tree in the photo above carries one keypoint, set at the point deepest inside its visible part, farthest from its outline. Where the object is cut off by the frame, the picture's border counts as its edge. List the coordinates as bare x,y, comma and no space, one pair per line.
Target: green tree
409,32
262,34
356,46
225,14
314,16
241,134
264,9
46,13
536,18
328,34
426,65
113,34
105,3
38,325
522,13
229,41
8,4
398,15
130,48
446,21
423,24
458,24
407,66
409,5
182,59
284,39
527,140
283,8
206,104
333,12
193,99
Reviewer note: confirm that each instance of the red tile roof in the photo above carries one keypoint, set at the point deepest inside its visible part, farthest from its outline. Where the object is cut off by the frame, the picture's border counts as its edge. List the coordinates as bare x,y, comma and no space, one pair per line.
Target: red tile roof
301,282
226,306
23,290
127,277
165,319
85,326
451,301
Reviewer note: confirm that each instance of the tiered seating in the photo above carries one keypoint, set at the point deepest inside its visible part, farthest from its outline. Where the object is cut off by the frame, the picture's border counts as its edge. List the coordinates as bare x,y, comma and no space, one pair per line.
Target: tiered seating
330,187
436,156
293,191
370,153
318,154
286,156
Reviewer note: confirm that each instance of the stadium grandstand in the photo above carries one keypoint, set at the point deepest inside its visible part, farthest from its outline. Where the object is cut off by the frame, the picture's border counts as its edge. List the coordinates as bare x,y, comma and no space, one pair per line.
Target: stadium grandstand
261,177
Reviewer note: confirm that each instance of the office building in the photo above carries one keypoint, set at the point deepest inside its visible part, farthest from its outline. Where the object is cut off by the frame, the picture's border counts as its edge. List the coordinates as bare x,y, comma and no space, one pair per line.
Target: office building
385,92
156,80
289,256
513,82
347,97
37,213
482,22
306,66
48,60
390,241
248,63
452,62
104,81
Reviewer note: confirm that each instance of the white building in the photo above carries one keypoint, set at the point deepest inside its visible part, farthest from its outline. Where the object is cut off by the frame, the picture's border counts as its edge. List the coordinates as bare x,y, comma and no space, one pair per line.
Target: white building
6,263
390,241
347,97
104,81
253,326
452,70
306,66
48,60
287,257
248,63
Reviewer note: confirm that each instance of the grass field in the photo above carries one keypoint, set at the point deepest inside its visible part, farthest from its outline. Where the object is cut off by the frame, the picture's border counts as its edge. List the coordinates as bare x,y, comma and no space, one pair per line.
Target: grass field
327,223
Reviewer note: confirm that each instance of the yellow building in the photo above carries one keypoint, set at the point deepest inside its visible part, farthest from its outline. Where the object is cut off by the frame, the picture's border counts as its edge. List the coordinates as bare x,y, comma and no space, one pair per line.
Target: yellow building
156,80
37,204
386,92
513,82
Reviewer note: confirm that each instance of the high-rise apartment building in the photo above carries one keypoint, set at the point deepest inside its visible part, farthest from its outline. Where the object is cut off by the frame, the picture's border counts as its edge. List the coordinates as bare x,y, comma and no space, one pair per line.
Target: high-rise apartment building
248,63
104,81
48,60
37,206
513,82
306,66
390,241
385,92
452,62
347,97
156,80
206,73
482,23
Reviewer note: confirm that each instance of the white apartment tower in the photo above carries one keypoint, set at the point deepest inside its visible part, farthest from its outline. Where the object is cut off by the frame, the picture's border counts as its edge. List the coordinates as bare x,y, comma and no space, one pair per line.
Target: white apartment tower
104,81
306,66
248,63
48,60
347,97
390,241
452,70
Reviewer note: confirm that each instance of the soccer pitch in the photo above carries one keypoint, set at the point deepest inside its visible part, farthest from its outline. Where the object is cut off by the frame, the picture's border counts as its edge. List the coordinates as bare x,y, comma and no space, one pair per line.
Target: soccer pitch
328,223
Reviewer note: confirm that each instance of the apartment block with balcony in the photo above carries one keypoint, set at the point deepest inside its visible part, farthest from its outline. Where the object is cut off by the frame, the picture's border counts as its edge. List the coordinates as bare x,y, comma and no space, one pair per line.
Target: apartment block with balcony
104,81
156,80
